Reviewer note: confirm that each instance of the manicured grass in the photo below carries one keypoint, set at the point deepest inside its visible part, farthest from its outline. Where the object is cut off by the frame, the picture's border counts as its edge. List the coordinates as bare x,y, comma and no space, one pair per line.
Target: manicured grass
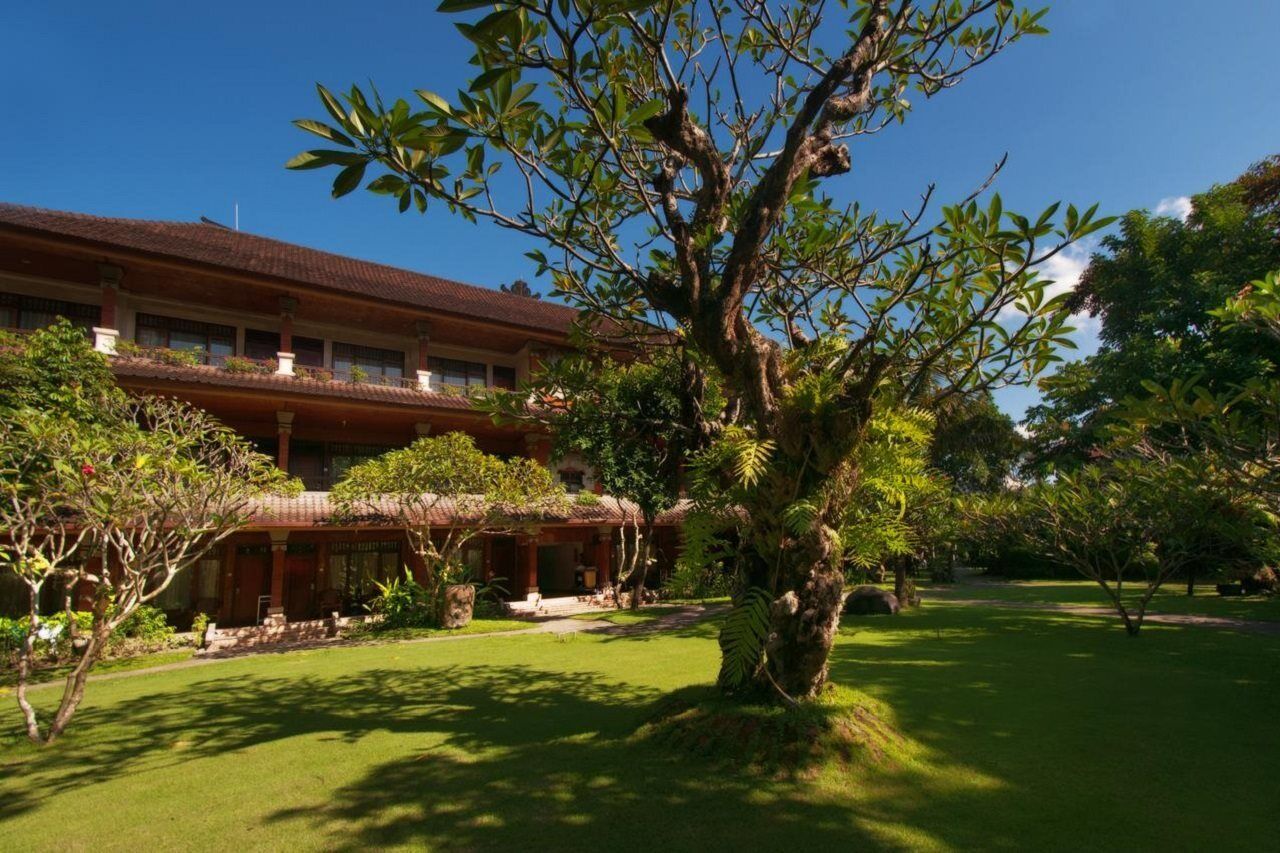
1168,599
475,626
9,675
1014,730
644,615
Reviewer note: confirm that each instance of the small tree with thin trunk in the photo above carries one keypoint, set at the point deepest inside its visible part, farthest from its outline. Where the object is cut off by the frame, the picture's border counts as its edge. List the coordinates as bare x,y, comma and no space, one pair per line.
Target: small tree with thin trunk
109,495
1133,521
148,493
42,536
443,491
625,421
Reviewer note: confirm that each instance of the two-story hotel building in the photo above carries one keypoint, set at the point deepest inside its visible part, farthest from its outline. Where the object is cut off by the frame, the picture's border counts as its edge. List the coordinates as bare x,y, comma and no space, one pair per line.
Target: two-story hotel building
322,361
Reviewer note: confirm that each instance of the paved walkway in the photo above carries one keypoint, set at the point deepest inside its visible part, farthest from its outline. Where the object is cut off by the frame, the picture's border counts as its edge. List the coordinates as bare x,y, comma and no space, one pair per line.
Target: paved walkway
682,618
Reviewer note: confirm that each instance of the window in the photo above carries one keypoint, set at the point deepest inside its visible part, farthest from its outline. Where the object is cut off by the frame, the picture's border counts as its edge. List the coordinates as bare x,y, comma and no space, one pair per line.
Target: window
376,363
343,456
307,352
33,312
321,464
177,595
354,566
210,570
452,371
572,481
214,342
504,377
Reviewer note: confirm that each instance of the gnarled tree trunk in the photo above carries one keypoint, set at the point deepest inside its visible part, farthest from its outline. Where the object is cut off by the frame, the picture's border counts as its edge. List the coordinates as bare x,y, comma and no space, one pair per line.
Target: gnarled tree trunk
804,624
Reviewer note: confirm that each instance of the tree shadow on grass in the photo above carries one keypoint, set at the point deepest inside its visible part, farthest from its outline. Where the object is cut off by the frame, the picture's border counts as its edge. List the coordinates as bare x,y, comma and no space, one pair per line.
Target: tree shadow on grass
521,758
1089,732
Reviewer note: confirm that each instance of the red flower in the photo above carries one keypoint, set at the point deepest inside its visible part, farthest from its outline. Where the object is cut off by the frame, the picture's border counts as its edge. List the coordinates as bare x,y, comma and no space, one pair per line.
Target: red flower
87,470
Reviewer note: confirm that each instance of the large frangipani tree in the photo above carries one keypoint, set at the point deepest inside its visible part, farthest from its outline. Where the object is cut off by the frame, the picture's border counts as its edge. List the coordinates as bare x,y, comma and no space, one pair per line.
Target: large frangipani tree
672,160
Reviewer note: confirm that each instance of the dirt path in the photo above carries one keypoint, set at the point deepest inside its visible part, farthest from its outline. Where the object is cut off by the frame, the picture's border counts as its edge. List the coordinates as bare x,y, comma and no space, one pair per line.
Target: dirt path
682,618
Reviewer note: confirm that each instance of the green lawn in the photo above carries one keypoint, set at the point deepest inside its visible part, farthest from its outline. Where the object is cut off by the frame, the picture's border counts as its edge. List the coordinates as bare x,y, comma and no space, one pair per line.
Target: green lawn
1168,599
1018,730
9,675
648,613
475,626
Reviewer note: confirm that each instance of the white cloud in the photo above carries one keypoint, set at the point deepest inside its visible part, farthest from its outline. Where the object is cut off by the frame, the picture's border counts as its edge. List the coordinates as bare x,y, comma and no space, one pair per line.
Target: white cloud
1179,207
1063,271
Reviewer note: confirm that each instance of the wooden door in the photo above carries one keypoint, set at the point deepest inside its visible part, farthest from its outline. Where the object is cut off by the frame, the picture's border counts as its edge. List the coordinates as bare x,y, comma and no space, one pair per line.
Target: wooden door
502,560
252,579
299,586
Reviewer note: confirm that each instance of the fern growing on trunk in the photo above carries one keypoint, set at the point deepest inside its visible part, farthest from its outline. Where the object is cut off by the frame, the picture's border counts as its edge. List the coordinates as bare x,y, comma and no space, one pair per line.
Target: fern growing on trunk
742,638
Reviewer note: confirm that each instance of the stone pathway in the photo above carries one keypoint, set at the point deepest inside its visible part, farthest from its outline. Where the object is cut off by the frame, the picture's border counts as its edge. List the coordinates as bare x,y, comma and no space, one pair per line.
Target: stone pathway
685,616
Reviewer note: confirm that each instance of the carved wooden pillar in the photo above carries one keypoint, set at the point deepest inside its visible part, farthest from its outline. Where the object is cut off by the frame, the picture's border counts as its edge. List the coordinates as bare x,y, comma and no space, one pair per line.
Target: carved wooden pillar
284,429
285,357
424,365
279,549
604,557
107,331
529,571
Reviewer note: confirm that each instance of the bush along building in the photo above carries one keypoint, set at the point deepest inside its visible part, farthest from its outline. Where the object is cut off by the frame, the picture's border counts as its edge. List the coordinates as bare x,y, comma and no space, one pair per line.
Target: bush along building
322,361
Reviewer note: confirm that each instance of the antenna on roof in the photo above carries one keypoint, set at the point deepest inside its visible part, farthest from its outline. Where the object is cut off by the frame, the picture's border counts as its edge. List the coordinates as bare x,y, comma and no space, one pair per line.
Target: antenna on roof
237,216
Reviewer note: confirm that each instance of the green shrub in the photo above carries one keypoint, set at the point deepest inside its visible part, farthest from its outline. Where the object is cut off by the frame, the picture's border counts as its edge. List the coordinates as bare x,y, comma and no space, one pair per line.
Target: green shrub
146,623
239,364
402,602
690,580
199,625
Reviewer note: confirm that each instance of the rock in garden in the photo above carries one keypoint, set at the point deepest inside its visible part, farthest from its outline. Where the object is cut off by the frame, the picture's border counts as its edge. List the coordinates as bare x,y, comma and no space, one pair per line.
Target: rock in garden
871,601
459,604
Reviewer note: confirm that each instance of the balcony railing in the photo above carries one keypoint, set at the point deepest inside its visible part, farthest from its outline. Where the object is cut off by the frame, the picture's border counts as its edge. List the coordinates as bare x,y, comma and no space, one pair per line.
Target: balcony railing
243,365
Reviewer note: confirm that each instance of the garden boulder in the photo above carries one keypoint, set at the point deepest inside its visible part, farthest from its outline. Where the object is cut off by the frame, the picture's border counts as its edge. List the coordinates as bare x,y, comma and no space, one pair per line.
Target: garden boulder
459,604
871,601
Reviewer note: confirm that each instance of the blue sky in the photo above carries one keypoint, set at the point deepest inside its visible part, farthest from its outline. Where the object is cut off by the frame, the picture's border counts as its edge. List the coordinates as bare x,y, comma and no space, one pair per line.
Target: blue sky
174,110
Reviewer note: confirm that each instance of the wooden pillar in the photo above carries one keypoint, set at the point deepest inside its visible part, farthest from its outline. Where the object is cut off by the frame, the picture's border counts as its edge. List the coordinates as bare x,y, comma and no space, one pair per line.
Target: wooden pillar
110,293
529,571
279,549
424,364
288,307
284,429
539,448
228,585
604,557
486,569
107,331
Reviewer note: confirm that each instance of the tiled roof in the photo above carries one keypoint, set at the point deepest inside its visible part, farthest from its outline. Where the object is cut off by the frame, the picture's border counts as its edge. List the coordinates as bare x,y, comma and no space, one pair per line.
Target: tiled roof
143,368
239,251
313,509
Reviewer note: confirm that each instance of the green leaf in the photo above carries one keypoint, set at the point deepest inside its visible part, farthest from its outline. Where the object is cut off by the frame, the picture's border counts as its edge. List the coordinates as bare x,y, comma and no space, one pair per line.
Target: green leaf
463,5
318,158
348,179
743,636
332,104
488,79
323,130
433,100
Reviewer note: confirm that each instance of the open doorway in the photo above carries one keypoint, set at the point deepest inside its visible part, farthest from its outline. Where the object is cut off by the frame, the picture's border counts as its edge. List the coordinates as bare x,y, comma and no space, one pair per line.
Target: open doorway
558,569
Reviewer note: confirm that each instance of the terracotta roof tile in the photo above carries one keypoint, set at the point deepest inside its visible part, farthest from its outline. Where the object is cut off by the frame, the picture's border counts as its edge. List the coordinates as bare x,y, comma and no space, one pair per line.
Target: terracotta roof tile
205,243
